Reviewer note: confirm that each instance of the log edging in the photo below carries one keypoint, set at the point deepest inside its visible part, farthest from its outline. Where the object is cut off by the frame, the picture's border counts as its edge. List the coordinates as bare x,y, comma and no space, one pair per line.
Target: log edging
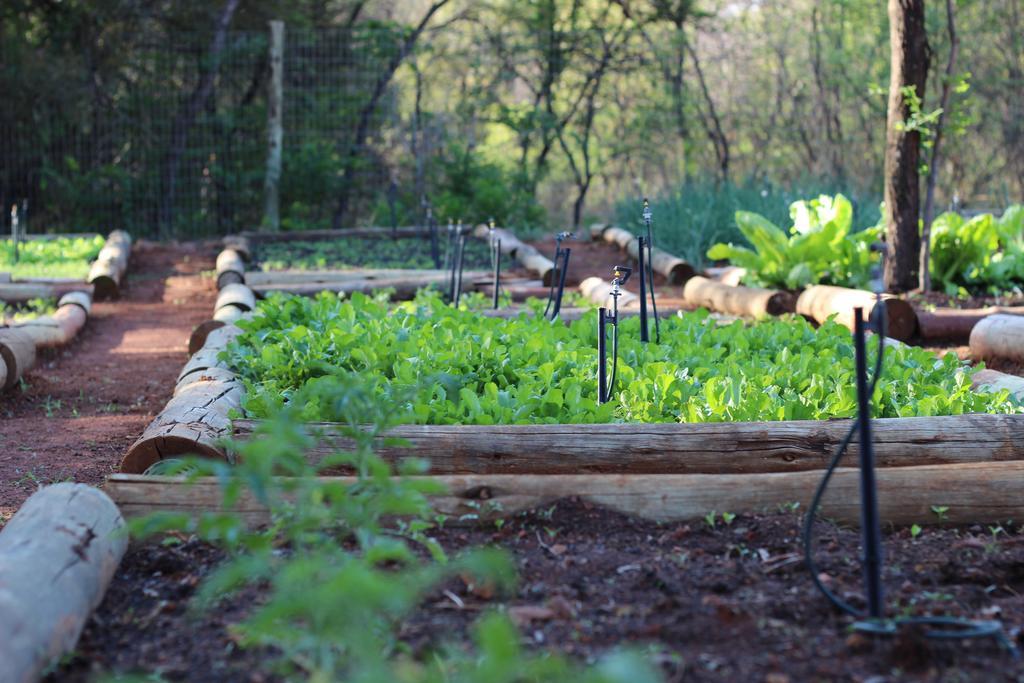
110,265
971,493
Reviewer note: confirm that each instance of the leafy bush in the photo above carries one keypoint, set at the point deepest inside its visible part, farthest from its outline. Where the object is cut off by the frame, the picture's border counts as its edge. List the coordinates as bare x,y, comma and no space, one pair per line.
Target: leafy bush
57,258
342,564
981,254
688,221
818,250
526,370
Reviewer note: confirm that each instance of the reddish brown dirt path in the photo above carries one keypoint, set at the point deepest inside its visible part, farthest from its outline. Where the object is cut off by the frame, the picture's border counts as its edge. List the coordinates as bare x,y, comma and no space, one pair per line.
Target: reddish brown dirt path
82,406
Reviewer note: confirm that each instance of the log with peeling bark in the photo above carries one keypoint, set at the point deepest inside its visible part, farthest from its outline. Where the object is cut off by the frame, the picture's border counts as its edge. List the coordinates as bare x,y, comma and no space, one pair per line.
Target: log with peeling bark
235,296
993,380
684,448
230,268
955,324
18,354
196,419
57,557
675,270
819,302
307,277
744,301
50,331
727,275
971,493
239,244
110,265
998,336
24,291
228,315
404,287
599,291
525,254
258,238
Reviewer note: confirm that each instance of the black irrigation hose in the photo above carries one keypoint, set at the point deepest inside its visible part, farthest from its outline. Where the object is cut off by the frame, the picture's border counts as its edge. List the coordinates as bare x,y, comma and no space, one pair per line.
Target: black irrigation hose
956,628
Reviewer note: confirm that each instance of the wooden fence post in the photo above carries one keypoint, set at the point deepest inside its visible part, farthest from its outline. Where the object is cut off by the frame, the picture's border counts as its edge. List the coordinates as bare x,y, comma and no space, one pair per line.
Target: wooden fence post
275,131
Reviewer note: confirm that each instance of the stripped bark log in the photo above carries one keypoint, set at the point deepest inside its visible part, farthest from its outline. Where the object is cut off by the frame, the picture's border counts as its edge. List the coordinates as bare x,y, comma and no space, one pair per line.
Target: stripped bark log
684,448
235,296
239,244
57,556
744,301
196,419
404,288
819,302
49,331
993,380
955,324
526,255
223,316
675,270
22,292
307,277
230,268
600,292
971,493
18,353
258,238
110,265
998,336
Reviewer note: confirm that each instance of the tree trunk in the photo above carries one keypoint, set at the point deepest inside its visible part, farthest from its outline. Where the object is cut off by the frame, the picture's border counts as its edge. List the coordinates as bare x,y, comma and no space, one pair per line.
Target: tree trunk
275,132
908,41
185,119
933,165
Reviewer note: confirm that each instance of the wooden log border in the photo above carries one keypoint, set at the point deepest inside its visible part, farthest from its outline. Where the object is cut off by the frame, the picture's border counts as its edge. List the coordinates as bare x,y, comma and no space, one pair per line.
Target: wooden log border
110,265
682,448
970,492
675,270
526,255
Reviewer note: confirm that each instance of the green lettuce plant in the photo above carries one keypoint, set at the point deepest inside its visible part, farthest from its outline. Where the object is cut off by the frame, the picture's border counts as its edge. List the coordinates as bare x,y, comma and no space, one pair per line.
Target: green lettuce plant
980,254
451,366
819,248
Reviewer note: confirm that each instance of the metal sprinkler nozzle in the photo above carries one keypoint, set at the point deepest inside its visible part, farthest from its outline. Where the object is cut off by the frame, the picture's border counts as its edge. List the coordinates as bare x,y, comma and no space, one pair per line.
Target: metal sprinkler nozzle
647,215
620,274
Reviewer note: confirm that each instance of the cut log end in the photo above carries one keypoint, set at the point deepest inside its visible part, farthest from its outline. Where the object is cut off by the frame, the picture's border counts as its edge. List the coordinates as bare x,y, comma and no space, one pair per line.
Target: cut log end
680,273
17,353
199,335
106,287
177,441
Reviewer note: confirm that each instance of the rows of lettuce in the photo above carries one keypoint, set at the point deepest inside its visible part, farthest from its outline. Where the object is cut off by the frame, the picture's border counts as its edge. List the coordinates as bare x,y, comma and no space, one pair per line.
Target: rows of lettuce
980,255
62,257
449,366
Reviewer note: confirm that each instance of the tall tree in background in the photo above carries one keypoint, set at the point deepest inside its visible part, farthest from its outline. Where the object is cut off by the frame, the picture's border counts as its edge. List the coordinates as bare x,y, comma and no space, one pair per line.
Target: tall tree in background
908,41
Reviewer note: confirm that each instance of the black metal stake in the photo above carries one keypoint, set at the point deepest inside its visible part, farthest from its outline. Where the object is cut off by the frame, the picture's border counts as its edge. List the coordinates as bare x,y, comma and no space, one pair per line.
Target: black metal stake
460,253
872,535
650,270
435,248
497,271
562,270
644,336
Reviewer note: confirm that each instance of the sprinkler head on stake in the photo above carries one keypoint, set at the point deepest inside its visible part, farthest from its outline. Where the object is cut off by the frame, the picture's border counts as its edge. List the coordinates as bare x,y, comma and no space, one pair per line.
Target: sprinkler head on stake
620,274
647,211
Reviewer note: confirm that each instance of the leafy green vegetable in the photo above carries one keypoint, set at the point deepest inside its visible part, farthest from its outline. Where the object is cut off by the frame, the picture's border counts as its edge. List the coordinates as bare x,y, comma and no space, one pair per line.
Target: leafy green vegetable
818,250
981,254
26,311
62,257
525,370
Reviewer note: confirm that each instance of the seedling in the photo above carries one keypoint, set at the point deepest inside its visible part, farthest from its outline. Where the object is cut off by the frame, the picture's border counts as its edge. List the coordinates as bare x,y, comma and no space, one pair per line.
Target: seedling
710,519
728,517
940,511
915,531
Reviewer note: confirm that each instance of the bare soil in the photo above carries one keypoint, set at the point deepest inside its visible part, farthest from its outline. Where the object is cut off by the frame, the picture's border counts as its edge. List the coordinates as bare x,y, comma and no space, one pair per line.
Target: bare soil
728,603
81,407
